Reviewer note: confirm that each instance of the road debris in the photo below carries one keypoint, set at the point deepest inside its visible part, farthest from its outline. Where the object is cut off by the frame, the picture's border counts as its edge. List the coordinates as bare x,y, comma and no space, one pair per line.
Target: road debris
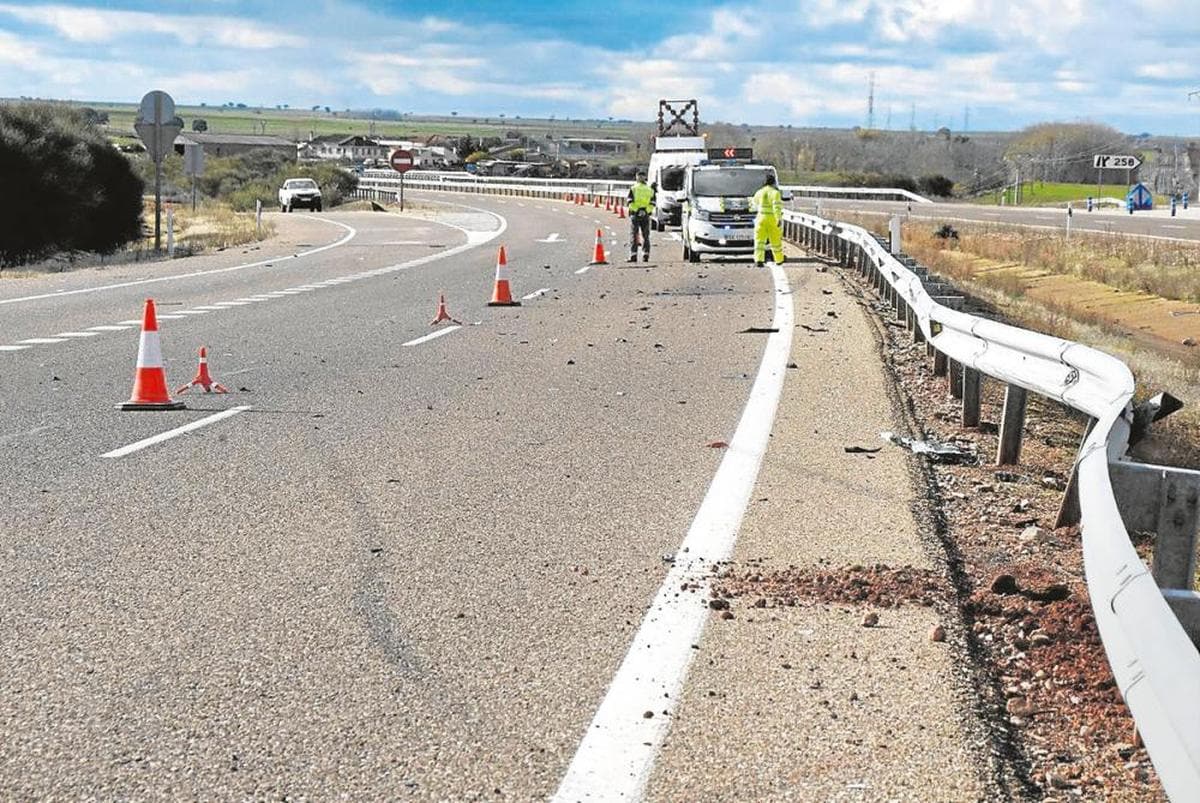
938,451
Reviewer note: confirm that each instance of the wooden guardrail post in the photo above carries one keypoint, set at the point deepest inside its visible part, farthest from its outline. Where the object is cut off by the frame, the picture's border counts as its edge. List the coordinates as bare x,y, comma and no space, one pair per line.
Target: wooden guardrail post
972,396
1011,426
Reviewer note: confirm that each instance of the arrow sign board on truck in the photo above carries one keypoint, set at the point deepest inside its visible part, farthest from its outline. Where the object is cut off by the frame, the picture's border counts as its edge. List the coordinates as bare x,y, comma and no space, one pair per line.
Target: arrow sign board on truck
730,153
1107,161
401,161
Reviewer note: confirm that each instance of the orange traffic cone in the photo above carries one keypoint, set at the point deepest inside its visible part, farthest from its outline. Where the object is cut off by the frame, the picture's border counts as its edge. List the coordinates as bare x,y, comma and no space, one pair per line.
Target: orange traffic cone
149,379
608,204
202,377
502,293
620,210
595,201
598,257
442,314
567,196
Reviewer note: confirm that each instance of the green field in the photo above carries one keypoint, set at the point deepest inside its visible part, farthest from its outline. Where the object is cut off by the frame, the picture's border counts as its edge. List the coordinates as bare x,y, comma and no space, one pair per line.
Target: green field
301,124
1038,193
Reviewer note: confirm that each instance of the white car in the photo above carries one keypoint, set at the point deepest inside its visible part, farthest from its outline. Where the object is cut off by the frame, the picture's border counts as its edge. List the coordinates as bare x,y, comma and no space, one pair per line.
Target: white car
299,192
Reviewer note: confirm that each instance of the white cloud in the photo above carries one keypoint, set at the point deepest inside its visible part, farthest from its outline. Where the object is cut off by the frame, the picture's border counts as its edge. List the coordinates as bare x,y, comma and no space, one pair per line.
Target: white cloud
15,50
93,25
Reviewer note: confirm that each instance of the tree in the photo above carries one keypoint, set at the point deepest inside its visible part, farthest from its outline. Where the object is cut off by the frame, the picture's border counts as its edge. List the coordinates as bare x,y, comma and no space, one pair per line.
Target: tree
1062,151
77,191
199,124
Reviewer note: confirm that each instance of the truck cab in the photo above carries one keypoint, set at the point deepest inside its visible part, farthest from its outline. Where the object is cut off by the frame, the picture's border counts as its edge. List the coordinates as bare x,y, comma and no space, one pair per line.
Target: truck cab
668,163
716,215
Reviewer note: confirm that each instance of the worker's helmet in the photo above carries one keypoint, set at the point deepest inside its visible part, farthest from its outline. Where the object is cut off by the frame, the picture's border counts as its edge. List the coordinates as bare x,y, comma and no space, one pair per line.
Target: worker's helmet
770,179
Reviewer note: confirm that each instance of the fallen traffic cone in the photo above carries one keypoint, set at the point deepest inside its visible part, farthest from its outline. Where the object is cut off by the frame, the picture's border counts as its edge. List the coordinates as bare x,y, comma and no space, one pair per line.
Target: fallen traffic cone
598,257
502,293
149,379
202,377
442,314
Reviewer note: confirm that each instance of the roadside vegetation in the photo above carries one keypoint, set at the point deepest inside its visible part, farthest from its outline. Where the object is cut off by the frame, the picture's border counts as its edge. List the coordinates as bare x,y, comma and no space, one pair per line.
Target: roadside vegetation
1135,298
66,188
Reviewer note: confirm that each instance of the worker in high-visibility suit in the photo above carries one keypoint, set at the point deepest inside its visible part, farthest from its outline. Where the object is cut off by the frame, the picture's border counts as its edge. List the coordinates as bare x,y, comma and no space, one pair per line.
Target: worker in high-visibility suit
641,208
768,223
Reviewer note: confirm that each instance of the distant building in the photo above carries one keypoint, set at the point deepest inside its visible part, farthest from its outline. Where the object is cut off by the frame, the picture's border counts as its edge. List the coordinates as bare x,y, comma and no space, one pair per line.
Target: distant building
337,147
215,145
425,156
575,146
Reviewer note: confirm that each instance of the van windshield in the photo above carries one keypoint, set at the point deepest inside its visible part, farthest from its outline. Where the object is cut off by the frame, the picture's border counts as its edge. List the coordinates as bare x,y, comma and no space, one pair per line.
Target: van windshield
301,184
737,181
672,179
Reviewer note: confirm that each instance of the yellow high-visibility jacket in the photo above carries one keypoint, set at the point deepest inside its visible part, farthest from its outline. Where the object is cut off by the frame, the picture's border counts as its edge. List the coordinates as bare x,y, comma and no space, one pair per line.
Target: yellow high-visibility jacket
768,202
641,196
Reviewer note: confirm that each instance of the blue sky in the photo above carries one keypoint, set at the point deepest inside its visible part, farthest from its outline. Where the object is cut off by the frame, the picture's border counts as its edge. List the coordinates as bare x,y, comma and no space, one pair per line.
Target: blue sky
999,64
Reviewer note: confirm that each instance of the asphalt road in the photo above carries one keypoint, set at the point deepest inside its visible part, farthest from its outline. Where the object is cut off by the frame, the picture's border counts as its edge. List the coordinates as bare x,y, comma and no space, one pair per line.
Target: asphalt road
405,569
1157,223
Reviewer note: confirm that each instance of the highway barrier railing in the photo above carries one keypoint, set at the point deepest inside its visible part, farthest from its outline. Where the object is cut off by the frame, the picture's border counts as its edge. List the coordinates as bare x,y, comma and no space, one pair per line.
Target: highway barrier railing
1148,618
387,183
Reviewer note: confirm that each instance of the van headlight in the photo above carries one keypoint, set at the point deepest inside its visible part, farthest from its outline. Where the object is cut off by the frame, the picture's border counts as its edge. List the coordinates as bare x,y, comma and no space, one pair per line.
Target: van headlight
702,214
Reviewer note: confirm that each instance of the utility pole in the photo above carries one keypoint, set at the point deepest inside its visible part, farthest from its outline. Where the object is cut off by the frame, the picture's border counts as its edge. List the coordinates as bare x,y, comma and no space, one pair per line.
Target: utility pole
871,104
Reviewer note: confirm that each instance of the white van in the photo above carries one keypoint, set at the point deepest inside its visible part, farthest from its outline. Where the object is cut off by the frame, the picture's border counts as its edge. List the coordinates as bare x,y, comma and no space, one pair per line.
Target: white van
670,159
716,208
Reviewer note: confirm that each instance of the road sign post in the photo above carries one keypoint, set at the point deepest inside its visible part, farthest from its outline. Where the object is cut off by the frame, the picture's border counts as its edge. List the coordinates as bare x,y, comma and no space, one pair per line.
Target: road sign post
401,161
157,127
193,165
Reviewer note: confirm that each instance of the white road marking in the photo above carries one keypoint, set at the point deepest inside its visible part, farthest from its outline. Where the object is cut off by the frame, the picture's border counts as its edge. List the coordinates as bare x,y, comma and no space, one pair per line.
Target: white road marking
551,238
13,348
432,336
193,312
1173,226
78,334
109,327
536,293
34,341
169,316
617,753
231,303
174,433
209,308
157,279
584,269
130,322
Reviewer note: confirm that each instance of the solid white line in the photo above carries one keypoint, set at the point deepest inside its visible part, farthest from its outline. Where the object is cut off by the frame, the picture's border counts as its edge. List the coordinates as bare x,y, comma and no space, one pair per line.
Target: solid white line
156,279
78,334
427,338
43,340
174,433
584,269
13,348
617,753
536,293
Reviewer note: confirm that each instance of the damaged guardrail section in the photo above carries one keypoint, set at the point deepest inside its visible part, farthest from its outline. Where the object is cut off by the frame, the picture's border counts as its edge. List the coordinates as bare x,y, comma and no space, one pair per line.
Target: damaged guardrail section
1147,618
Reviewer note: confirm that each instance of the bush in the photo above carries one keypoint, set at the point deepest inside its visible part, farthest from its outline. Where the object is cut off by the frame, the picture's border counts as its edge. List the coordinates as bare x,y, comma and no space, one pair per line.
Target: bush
76,192
936,185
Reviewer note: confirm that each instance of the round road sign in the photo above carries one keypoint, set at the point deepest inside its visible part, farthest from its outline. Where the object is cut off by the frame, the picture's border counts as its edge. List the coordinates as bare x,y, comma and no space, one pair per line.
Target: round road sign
401,161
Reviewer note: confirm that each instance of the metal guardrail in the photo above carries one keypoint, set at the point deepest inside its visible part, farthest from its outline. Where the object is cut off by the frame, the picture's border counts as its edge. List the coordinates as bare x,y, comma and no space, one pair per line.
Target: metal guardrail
1155,663
389,181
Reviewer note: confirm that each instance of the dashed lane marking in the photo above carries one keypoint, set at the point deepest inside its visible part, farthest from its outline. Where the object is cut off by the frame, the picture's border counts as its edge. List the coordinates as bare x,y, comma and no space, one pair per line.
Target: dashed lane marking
474,238
432,336
175,433
535,294
78,334
583,270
